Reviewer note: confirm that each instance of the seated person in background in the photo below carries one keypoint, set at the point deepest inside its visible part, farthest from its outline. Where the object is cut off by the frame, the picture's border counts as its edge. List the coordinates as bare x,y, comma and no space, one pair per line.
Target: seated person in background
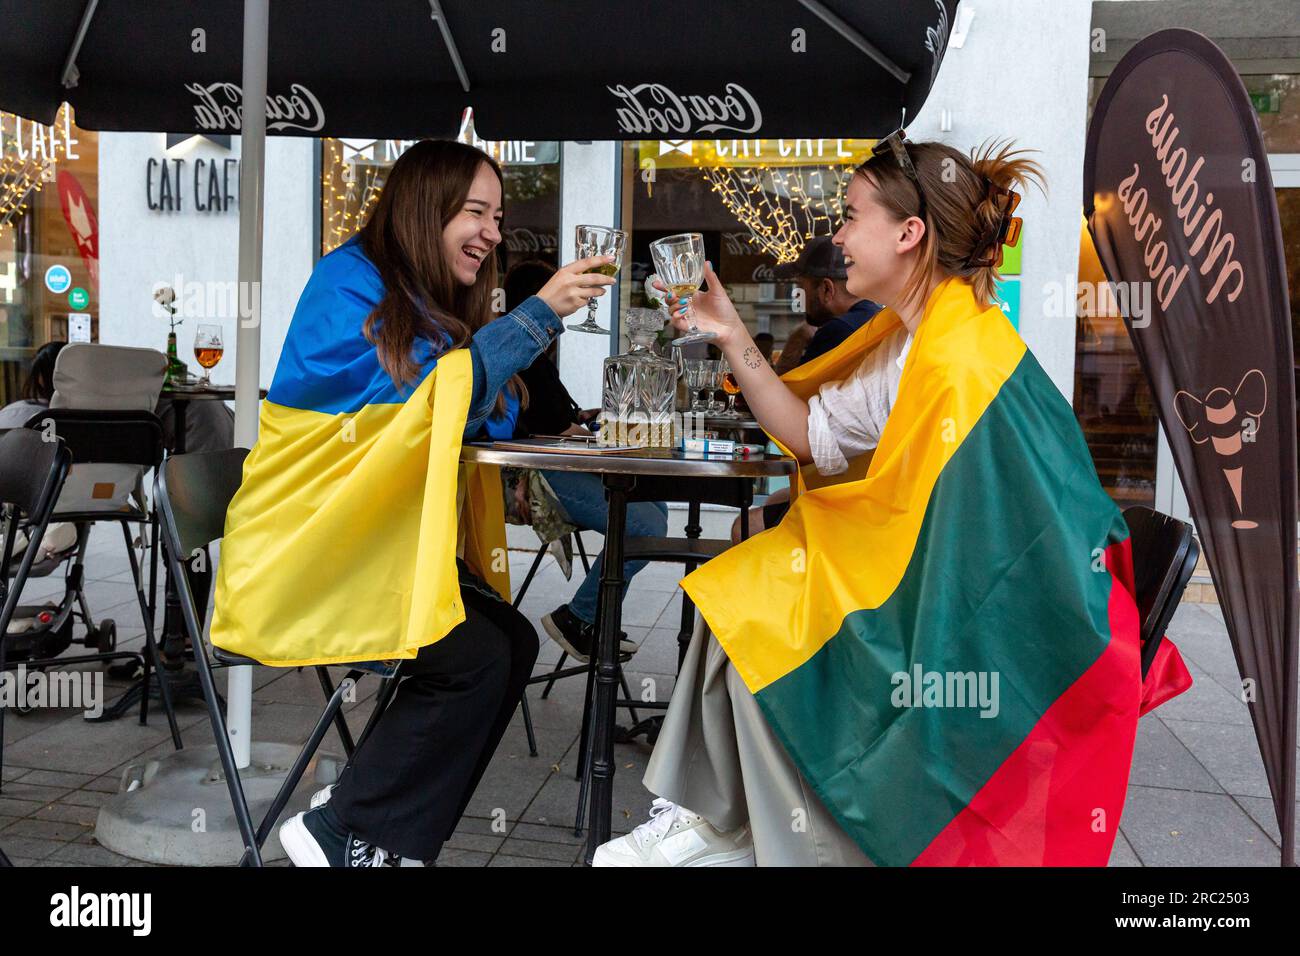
833,312
765,341
551,410
37,390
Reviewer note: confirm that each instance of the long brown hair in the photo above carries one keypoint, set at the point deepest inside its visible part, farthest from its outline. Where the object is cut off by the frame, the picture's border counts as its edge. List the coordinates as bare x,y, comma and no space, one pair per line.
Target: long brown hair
963,209
426,187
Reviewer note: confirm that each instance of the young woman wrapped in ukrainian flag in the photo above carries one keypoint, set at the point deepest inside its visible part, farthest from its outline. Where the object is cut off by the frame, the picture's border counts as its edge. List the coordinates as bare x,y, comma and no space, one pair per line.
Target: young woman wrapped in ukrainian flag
356,536
933,659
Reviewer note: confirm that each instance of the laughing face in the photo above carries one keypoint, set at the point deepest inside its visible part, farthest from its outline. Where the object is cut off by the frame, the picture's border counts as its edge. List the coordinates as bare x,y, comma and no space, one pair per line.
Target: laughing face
469,237
878,246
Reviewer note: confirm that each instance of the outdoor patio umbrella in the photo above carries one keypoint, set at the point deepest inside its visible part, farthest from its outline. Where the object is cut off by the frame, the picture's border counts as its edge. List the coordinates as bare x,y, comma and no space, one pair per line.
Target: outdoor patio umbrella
577,70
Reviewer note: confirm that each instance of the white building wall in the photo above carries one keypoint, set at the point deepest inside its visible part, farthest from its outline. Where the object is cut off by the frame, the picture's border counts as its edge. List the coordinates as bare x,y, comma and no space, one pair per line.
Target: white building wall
140,247
1023,73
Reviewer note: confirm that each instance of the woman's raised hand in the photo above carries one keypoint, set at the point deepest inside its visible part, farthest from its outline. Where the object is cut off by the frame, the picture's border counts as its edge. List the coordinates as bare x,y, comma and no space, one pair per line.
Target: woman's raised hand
712,308
569,289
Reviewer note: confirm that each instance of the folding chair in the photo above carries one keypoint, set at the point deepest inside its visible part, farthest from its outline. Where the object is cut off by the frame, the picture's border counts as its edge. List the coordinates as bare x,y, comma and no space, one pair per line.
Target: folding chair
193,492
1165,553
31,473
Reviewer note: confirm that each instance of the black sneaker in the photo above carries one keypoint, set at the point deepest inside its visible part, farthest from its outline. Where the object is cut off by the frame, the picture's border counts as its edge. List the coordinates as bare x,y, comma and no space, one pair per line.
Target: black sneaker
577,637
309,840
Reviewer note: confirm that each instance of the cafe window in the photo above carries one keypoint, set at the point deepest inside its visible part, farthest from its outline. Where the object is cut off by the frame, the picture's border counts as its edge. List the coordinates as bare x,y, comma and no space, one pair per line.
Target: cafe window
49,240
756,202
353,173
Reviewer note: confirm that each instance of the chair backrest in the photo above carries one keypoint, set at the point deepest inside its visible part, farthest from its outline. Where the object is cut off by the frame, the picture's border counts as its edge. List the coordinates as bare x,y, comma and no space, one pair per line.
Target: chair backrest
103,377
1165,553
110,452
193,492
31,471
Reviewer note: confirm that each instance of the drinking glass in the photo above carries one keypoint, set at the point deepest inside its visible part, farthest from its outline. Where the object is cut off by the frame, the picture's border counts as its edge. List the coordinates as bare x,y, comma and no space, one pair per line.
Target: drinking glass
679,263
712,382
731,387
207,350
598,241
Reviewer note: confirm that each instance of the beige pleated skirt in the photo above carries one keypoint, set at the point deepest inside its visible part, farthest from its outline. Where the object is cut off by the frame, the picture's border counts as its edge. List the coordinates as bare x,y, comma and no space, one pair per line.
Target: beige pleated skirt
716,755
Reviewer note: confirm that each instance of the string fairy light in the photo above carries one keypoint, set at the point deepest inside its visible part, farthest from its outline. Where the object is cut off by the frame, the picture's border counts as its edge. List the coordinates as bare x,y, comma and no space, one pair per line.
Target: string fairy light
781,207
21,179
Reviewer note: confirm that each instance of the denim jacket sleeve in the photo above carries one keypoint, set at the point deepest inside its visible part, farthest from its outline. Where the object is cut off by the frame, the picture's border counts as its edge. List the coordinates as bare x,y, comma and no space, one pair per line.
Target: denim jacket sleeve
504,347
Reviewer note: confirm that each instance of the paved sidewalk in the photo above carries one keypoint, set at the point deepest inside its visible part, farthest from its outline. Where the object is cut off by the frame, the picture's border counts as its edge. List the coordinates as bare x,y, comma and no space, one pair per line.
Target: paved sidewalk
1197,794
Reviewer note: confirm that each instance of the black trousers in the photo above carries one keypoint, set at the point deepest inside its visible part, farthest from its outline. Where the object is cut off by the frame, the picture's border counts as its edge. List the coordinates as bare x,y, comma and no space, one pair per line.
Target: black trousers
407,787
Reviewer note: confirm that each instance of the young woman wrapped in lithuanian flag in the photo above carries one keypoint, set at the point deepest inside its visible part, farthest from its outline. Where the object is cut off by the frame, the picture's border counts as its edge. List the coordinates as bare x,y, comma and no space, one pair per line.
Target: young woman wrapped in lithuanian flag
356,536
934,657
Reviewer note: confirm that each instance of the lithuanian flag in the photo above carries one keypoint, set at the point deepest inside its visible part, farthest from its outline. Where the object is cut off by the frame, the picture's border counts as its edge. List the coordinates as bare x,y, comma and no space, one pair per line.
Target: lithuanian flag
341,543
946,643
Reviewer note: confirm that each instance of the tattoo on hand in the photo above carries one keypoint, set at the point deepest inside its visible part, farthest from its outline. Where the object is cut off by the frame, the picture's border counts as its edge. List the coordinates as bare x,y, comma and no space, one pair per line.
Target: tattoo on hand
753,357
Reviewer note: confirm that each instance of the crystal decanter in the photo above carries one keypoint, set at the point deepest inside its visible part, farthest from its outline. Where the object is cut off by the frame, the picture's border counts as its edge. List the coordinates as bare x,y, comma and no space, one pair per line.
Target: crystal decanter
639,388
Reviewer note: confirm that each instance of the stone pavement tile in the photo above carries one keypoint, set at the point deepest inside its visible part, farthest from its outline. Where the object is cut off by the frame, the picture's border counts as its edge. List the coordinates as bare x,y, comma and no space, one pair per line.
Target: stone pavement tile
87,798
78,746
1161,760
1228,751
105,783
477,833
6,820
68,813
33,848
1181,828
10,807
513,778
1202,639
47,829
557,801
13,773
91,855
657,653
1262,812
58,778
1205,700
546,834
1122,853
451,857
20,790
502,860
642,609
540,850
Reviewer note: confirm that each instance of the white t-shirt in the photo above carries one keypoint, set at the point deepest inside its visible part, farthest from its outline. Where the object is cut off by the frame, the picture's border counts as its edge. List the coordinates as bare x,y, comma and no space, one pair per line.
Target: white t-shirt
847,418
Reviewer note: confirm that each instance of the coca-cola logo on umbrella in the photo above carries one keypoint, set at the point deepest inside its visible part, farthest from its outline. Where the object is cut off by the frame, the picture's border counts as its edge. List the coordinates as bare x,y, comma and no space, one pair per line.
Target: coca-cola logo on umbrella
654,108
220,107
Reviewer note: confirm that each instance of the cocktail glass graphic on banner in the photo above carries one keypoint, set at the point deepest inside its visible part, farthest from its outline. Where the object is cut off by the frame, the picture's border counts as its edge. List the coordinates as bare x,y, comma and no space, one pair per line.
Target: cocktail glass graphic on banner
207,350
1227,419
598,241
679,263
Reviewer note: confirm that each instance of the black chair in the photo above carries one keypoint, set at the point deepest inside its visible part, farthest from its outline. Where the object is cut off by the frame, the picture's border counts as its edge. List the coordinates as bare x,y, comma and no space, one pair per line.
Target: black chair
1165,553
111,438
31,473
193,492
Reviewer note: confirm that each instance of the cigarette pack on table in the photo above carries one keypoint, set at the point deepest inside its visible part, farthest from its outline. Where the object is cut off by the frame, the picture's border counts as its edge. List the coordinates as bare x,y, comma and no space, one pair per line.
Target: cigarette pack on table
715,446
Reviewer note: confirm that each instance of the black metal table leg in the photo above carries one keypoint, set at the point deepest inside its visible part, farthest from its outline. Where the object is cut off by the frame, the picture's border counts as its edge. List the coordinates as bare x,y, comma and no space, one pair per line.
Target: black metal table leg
617,487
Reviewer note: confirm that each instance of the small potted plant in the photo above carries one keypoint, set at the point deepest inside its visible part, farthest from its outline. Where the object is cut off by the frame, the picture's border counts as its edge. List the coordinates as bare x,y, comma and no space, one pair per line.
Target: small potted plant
177,373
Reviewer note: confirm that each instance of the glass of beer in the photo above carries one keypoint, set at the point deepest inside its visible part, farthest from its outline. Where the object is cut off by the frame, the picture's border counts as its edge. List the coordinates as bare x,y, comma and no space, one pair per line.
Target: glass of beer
679,263
598,241
207,350
731,387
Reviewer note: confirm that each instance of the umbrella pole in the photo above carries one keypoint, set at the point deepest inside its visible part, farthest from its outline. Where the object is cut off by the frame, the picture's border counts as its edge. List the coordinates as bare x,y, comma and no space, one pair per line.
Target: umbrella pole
248,337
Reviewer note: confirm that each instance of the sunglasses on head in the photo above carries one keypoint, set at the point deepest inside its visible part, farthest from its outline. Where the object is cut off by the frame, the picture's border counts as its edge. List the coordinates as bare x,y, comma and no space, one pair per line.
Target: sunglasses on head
895,144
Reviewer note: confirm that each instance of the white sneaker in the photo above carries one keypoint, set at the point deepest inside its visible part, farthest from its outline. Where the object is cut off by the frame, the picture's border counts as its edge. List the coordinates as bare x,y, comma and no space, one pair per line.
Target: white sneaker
674,836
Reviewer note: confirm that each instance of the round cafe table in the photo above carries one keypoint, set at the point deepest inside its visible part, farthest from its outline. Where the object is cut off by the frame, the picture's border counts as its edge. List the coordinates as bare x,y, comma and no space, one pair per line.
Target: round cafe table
620,472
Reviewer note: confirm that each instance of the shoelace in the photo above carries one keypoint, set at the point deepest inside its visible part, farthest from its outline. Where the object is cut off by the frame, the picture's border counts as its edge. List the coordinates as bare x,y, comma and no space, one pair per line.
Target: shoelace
365,854
663,814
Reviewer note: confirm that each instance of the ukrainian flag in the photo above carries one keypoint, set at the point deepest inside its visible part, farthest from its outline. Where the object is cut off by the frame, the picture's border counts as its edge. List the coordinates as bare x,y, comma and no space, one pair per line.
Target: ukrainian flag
946,643
341,543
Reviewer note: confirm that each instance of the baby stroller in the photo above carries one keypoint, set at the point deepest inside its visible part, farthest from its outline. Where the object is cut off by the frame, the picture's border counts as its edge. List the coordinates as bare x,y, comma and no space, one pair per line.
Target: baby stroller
43,631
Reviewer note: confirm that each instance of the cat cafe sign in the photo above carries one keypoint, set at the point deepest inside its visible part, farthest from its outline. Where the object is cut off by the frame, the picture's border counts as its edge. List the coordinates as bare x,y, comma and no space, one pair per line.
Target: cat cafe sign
200,183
